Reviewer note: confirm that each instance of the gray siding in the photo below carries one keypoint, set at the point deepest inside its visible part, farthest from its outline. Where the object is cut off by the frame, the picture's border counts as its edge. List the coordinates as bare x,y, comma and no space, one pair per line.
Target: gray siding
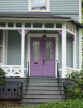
13,5
14,48
67,8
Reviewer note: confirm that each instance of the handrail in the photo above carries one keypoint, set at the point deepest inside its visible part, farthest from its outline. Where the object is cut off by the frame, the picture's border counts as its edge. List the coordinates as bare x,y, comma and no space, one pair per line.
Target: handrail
58,74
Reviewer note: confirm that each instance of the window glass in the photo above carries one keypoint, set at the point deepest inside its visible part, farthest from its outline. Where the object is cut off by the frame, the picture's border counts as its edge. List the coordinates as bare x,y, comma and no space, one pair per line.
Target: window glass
1,49
2,24
58,25
49,50
37,25
38,4
28,25
36,52
1,38
10,24
1,46
49,25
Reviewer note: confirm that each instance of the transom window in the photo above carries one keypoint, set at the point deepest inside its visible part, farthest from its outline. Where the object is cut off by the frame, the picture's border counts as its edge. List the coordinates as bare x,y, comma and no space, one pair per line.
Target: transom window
39,5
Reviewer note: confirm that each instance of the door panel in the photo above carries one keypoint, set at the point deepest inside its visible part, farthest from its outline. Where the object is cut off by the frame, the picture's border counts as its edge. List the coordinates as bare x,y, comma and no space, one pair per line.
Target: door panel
35,59
42,61
49,57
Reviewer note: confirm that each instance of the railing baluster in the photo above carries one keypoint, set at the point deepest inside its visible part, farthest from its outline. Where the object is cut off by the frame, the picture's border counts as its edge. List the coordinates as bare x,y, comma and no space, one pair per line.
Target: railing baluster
11,90
13,70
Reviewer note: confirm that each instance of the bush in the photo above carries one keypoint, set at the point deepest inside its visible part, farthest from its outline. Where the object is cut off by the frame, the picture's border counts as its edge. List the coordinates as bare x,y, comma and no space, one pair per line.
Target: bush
2,73
2,77
64,104
73,85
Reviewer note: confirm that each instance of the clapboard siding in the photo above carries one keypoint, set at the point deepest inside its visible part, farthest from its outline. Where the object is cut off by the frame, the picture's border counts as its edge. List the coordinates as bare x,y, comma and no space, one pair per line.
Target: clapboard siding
13,5
67,8
64,5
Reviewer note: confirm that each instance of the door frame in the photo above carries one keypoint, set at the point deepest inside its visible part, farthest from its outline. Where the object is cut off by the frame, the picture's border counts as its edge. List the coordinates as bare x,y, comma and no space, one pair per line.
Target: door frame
36,35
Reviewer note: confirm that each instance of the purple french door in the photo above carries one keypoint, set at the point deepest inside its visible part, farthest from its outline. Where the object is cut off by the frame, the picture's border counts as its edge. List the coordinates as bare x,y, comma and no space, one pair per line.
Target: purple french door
42,57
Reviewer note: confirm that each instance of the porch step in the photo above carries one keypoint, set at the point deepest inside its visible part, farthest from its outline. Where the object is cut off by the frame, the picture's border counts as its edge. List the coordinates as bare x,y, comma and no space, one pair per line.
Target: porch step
40,90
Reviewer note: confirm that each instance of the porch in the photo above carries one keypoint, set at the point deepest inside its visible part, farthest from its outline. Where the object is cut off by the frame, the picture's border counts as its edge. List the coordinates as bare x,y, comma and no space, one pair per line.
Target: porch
15,50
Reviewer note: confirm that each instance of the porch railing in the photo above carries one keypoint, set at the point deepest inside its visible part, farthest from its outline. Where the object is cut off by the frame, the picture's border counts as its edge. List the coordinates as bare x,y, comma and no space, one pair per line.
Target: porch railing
69,70
11,90
13,70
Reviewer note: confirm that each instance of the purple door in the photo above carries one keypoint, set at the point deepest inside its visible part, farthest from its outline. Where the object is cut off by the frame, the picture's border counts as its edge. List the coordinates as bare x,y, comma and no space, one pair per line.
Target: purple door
42,60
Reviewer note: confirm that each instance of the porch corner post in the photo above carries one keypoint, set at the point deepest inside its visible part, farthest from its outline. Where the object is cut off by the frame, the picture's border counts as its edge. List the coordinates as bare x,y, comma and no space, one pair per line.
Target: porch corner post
80,50
22,48
74,51
64,50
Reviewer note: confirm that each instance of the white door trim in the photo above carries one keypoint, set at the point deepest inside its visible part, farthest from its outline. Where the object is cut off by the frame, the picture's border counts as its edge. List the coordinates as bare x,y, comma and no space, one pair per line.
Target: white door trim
35,35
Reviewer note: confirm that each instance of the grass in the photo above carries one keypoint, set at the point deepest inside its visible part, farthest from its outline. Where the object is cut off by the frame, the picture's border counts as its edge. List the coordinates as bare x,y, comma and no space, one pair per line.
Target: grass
77,103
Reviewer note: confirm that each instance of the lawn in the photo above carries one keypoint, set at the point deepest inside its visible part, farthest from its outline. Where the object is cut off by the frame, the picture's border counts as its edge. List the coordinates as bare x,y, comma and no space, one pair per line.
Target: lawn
77,103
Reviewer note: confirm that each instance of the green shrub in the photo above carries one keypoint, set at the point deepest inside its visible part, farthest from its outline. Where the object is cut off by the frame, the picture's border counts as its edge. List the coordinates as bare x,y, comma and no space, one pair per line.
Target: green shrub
73,85
2,77
64,104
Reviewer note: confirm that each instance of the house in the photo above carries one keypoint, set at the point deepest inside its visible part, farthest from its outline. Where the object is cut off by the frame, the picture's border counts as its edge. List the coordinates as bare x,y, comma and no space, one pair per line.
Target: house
39,37
82,37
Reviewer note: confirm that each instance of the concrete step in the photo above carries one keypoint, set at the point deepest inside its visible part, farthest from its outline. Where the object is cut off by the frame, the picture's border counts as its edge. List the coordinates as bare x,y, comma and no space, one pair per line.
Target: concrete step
38,101
46,88
43,92
39,90
43,96
44,84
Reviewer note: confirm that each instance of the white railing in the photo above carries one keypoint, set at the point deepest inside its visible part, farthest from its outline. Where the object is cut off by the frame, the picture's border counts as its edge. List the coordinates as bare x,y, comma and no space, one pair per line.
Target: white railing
13,70
69,70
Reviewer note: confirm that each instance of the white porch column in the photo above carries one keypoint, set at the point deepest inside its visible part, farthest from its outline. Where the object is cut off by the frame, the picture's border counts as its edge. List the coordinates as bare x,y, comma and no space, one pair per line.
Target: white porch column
74,52
22,47
80,49
64,50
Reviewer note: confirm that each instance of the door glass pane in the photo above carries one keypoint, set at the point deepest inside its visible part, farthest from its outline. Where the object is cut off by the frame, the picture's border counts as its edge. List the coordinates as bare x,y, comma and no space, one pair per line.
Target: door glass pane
36,52
49,50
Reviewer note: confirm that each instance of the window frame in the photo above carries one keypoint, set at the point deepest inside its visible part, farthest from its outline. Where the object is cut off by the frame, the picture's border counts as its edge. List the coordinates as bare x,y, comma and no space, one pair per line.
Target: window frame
39,10
4,48
1,47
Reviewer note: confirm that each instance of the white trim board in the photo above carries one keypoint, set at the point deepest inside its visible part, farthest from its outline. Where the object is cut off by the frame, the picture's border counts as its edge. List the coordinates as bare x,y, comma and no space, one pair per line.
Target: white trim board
41,34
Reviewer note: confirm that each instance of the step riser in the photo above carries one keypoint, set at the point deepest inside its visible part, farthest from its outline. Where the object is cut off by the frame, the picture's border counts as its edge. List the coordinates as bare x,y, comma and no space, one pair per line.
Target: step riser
41,100
42,90
43,96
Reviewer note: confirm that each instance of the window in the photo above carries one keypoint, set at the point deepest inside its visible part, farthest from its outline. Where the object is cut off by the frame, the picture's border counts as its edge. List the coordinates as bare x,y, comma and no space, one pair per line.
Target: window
39,5
1,47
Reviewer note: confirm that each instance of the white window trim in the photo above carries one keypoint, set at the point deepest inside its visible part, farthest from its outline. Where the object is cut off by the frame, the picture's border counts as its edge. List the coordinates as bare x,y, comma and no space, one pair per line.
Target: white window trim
4,48
45,10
